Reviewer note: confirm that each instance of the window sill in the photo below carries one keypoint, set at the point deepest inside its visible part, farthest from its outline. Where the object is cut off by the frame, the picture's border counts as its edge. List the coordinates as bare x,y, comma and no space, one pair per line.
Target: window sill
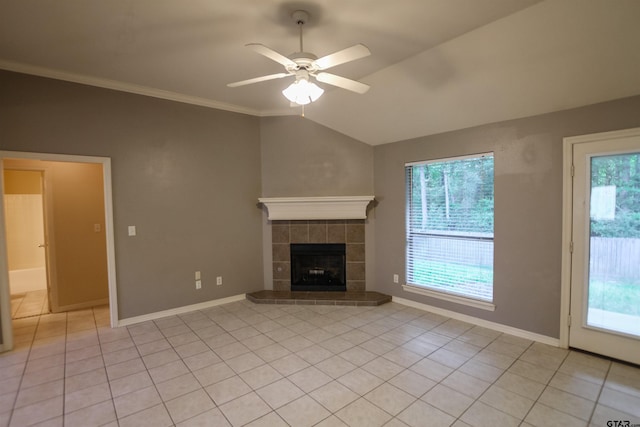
449,297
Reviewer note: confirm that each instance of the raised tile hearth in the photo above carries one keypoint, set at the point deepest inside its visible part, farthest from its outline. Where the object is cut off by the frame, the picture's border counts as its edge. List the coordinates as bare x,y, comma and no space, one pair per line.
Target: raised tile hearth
319,298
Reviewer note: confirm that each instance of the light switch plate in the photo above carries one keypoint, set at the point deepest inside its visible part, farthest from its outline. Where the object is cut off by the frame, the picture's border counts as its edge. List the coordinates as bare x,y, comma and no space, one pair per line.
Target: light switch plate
132,230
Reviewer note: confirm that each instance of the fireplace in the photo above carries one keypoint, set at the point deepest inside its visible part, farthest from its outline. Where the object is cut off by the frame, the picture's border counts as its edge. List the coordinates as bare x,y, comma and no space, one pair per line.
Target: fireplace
347,232
318,267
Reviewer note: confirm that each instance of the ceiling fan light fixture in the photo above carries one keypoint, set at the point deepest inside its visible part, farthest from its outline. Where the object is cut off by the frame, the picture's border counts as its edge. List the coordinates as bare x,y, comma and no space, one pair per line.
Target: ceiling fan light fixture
303,65
303,92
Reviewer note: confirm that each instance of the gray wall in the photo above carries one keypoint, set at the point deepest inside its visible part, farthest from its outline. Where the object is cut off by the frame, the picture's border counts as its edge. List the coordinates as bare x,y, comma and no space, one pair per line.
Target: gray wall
188,177
528,207
302,158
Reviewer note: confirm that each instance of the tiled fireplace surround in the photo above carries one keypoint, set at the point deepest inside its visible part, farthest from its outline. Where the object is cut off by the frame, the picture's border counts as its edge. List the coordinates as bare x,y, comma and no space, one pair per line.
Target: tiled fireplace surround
350,232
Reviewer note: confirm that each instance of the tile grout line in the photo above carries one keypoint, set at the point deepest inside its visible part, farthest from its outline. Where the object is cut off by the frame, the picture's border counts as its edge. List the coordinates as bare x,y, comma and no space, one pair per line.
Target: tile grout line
396,341
416,399
543,390
426,357
104,366
210,349
217,355
164,404
146,369
283,377
24,370
308,394
363,396
456,369
477,399
459,418
604,382
530,346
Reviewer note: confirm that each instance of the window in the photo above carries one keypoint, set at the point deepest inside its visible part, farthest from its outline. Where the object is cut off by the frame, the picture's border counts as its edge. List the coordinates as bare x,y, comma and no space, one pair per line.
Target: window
450,227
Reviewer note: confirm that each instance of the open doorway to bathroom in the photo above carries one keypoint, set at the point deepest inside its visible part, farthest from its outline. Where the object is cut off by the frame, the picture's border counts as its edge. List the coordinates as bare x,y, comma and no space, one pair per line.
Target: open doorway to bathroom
26,242
70,242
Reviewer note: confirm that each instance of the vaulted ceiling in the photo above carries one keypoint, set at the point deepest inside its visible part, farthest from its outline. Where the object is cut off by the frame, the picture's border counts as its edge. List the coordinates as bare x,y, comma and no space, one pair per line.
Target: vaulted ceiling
436,65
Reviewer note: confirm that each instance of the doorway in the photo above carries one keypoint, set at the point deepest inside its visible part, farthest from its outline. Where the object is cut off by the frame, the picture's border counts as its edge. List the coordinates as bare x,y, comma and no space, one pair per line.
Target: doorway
26,243
81,209
603,224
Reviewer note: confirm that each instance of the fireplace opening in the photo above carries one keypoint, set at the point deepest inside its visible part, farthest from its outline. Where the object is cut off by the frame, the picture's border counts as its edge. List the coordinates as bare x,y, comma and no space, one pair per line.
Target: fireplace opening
318,267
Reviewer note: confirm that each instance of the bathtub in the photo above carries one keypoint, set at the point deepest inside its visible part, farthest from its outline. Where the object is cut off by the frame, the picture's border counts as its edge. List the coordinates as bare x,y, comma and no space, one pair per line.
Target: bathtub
27,280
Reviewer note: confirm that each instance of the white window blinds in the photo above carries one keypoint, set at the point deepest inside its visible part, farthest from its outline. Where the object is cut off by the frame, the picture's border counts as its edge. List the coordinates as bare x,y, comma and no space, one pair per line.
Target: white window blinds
450,225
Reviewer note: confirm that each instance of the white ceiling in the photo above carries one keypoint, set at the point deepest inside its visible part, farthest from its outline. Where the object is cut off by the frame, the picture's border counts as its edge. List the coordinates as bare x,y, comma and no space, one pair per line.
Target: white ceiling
436,65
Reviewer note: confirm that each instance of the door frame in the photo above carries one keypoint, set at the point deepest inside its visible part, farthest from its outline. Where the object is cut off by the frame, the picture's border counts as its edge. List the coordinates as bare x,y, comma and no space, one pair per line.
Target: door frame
5,301
567,219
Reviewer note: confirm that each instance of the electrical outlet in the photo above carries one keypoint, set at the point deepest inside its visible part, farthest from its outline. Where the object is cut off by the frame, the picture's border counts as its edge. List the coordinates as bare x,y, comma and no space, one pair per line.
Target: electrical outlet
198,276
198,284
219,280
396,278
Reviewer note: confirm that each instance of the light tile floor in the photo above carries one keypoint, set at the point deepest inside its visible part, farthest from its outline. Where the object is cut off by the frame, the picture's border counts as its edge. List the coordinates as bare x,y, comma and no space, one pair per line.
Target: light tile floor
29,304
278,365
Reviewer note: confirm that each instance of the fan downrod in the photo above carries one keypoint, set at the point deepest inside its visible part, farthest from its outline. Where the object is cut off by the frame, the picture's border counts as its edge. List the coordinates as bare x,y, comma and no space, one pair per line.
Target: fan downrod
304,60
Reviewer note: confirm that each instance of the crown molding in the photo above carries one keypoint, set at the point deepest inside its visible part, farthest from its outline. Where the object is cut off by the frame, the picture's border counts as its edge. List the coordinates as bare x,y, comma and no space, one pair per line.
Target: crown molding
132,88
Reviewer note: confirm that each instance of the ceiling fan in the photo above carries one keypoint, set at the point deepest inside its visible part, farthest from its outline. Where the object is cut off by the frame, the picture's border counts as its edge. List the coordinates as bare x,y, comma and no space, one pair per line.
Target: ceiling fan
304,65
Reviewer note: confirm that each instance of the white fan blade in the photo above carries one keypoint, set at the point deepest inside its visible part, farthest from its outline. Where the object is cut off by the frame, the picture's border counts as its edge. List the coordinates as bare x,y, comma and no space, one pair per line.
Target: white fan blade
259,79
345,55
271,54
342,82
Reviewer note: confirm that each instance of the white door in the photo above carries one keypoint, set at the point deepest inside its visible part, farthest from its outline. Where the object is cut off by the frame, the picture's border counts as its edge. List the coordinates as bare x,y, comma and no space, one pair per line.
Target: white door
605,267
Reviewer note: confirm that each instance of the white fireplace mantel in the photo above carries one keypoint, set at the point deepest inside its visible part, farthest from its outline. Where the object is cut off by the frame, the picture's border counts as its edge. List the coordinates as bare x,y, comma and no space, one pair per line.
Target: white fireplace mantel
310,208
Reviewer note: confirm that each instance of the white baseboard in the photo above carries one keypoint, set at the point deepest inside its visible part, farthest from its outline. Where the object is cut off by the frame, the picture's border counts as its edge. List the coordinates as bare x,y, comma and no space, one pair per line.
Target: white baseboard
179,310
81,305
480,322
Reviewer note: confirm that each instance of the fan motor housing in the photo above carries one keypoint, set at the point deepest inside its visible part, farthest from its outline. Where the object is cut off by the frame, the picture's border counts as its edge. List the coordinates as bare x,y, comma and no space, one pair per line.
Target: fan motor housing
304,60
